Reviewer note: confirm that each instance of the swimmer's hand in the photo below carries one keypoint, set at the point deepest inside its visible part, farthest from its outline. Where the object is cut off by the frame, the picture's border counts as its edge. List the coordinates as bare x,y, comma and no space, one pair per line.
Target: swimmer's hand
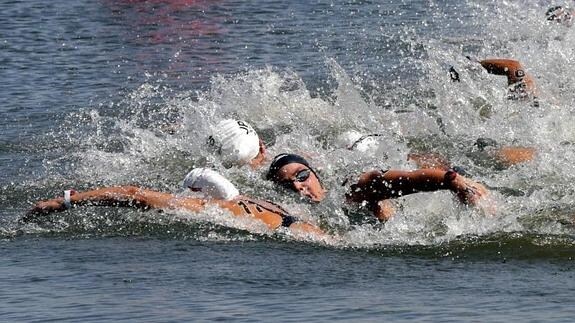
467,191
48,206
306,231
306,228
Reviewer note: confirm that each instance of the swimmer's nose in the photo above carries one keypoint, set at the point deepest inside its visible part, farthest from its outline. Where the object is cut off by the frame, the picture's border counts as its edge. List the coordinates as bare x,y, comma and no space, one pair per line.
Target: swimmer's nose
304,191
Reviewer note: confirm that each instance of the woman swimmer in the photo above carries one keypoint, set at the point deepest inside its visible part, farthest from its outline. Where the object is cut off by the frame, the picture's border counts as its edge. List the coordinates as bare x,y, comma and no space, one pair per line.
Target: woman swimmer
215,189
487,152
369,143
375,188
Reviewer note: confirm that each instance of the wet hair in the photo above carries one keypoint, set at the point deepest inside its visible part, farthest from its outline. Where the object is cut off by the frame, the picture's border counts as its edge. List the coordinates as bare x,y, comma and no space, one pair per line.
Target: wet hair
280,161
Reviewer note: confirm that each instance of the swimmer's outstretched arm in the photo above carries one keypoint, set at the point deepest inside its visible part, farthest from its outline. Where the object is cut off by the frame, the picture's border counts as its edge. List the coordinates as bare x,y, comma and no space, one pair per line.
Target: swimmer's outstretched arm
133,196
375,186
511,68
501,66
514,71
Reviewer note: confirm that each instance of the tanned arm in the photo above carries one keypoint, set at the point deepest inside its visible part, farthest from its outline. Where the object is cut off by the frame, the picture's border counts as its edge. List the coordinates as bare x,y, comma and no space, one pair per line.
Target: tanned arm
133,196
118,196
514,71
375,186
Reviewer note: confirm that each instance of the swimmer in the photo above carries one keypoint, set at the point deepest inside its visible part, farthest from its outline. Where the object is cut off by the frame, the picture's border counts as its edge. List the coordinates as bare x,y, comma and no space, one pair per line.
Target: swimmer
354,140
216,190
237,143
561,15
486,150
490,153
374,188
521,85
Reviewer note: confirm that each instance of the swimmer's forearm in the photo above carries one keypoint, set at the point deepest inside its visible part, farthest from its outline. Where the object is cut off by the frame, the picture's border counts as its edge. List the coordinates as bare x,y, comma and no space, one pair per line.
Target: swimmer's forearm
404,183
111,196
421,180
120,196
500,66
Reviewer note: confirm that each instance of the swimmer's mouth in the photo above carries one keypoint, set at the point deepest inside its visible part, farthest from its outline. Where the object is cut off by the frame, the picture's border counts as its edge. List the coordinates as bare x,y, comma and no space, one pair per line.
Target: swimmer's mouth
310,199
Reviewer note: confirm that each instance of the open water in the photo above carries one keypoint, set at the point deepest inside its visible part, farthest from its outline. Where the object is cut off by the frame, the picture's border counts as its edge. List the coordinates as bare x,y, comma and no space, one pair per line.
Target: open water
96,93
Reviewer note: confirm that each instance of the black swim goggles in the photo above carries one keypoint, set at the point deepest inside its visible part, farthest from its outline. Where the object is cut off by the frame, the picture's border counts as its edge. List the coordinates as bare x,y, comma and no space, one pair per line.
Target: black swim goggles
301,176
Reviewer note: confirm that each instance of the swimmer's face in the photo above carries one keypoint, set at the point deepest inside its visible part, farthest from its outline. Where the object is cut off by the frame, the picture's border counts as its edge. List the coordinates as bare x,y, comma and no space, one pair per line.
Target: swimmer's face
301,179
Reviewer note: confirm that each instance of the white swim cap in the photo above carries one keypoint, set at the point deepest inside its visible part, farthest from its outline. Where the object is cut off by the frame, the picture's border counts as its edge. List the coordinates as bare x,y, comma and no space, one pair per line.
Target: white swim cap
238,142
354,140
211,184
346,139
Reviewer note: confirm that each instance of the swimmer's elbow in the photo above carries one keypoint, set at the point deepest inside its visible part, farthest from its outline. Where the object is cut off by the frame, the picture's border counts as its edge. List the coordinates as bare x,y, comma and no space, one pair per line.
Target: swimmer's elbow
500,66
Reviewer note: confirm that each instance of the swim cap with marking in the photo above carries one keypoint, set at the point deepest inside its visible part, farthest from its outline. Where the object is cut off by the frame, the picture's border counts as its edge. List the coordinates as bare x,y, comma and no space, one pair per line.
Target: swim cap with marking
211,183
347,138
284,159
238,142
